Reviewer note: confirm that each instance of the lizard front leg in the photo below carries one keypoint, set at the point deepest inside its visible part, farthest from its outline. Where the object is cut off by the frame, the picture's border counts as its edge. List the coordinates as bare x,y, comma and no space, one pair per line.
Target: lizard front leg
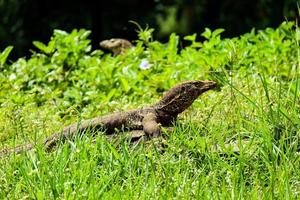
150,124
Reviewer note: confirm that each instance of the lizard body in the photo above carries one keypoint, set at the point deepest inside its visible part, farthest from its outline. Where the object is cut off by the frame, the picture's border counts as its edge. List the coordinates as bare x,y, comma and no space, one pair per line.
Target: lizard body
149,119
116,45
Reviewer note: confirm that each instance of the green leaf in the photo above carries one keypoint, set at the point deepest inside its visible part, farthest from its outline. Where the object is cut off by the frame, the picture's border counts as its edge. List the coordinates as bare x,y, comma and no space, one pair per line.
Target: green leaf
297,34
111,93
217,32
173,43
85,34
41,46
5,54
144,35
125,84
60,32
191,38
114,151
206,33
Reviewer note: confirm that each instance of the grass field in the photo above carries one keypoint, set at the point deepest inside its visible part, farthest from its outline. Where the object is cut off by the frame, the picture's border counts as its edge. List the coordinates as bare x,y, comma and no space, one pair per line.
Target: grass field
256,109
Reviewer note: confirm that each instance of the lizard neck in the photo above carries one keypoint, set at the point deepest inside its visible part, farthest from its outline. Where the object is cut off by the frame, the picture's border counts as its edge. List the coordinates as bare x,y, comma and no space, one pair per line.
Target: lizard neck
175,101
182,96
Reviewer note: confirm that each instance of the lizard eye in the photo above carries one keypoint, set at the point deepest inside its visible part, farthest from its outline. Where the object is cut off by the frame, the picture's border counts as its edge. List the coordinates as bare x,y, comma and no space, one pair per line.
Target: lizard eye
184,89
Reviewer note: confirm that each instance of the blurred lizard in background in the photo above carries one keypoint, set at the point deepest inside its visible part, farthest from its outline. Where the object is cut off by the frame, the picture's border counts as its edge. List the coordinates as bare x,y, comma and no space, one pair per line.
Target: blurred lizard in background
116,45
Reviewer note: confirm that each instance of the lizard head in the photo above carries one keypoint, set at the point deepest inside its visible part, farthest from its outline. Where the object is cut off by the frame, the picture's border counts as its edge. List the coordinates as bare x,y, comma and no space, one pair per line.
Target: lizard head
183,95
115,45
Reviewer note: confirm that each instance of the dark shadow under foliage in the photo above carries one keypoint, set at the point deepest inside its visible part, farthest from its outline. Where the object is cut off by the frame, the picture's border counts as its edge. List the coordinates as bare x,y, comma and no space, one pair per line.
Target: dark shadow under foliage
23,21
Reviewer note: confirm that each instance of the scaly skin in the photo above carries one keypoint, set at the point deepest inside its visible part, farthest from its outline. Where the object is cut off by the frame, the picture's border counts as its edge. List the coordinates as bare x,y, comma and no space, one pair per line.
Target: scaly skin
147,120
116,45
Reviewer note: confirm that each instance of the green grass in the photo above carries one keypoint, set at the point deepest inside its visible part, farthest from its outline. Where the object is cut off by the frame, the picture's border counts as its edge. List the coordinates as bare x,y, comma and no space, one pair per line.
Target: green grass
64,81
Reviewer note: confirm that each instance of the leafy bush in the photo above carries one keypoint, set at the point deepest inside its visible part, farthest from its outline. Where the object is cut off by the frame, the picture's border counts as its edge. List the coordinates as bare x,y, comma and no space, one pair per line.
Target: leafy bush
67,60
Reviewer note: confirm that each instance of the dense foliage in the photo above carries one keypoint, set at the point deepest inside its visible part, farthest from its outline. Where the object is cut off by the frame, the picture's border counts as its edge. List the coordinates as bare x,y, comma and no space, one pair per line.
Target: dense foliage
65,80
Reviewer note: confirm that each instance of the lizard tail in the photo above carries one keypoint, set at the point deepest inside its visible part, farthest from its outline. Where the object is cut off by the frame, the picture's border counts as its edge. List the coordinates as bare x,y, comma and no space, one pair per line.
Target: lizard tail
48,144
16,150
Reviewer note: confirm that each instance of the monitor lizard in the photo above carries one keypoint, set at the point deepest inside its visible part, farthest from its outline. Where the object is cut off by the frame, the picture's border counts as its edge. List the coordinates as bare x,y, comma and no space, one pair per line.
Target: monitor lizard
116,45
147,120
